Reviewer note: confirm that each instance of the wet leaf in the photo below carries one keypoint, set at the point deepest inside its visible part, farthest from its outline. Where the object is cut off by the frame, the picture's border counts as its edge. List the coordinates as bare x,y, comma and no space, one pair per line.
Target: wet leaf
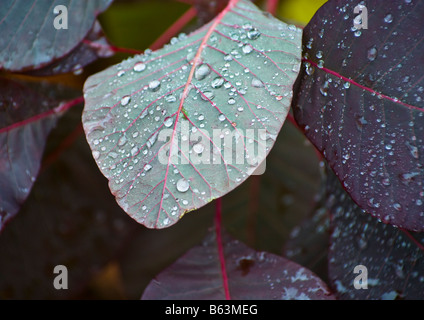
94,46
394,262
251,275
30,39
28,111
176,128
360,101
69,219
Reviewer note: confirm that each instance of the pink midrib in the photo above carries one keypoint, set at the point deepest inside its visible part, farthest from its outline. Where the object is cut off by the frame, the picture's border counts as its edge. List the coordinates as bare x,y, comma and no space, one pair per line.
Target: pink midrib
196,62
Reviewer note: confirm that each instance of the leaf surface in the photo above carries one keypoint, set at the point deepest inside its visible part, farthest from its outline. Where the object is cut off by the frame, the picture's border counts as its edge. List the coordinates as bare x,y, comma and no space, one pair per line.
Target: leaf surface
394,258
170,129
28,112
360,100
94,46
251,275
29,38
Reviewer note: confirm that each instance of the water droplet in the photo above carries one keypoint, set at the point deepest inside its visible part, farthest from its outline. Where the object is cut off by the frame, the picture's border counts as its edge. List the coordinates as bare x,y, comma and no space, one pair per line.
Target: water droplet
319,54
257,83
125,100
96,154
208,95
217,82
388,18
231,101
397,206
346,85
139,66
324,88
221,117
168,122
171,98
202,71
154,85
198,148
120,73
253,34
147,167
182,185
372,54
247,49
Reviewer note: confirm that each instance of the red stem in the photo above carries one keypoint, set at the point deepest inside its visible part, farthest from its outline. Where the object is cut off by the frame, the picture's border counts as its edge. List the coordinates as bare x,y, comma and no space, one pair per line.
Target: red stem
271,6
59,109
174,29
218,218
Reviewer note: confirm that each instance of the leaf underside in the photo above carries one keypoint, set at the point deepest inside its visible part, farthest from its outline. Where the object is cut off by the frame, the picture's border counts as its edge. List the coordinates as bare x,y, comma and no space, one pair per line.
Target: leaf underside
361,102
169,129
29,39
27,115
251,275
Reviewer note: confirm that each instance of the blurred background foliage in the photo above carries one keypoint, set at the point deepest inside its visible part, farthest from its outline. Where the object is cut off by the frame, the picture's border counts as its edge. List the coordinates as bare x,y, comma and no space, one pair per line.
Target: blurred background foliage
71,218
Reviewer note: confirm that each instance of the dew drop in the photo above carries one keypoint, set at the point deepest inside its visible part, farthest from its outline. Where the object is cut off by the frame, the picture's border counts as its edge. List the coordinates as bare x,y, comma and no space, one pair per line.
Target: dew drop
154,85
257,83
202,72
324,89
139,66
208,95
168,122
221,117
253,34
231,101
372,54
388,18
198,148
125,100
217,82
247,49
182,185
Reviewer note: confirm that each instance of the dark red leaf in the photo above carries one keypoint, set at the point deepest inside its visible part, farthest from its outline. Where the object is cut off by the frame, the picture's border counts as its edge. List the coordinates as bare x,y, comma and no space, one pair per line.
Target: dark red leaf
251,275
207,10
94,46
360,101
394,258
28,111
69,219
29,39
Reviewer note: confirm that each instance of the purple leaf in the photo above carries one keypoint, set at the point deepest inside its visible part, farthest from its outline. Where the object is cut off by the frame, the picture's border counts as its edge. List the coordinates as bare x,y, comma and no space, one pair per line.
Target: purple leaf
394,258
251,275
360,101
69,219
94,46
234,74
28,111
30,39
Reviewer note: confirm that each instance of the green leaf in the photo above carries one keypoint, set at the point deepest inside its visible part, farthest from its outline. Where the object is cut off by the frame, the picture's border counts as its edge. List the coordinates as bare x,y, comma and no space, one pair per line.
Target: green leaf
176,128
